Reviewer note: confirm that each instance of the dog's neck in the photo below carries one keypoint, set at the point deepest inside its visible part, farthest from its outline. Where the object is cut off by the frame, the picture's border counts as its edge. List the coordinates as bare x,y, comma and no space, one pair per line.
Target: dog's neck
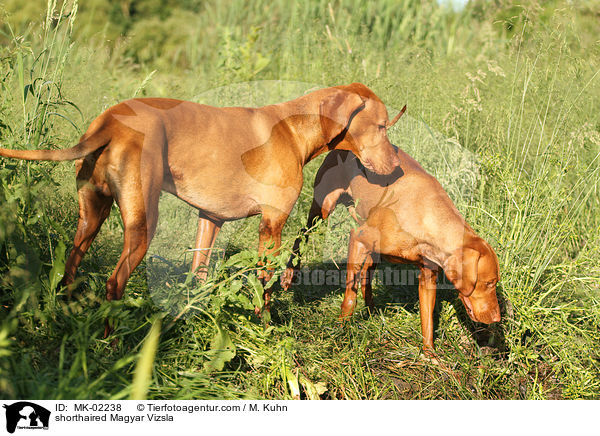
303,119
442,249
309,141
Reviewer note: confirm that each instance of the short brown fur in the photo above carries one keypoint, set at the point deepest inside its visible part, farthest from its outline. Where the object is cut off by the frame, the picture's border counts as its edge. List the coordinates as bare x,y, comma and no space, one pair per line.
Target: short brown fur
406,217
229,163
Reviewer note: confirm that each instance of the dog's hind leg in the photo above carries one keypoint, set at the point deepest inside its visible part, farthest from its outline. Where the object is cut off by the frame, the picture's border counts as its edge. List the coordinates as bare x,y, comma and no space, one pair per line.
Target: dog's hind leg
137,196
139,226
95,201
94,208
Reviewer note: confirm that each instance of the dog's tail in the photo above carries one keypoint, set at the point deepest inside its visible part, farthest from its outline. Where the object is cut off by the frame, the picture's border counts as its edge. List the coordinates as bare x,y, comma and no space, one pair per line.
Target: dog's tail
88,145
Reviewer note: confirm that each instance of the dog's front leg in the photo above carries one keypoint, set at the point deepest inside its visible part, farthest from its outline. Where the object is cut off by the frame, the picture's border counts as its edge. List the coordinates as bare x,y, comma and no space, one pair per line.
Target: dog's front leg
366,285
205,239
359,260
427,291
269,242
288,275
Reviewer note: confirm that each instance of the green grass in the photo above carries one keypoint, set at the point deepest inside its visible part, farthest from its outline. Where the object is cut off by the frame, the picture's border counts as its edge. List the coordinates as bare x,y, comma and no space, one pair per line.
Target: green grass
502,109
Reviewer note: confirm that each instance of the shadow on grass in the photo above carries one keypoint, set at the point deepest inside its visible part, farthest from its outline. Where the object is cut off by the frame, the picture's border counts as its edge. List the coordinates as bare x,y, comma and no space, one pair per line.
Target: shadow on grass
396,287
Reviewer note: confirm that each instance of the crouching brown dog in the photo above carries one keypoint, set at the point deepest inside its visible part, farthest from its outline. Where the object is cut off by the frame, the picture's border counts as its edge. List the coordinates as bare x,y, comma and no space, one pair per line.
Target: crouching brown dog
406,217
229,163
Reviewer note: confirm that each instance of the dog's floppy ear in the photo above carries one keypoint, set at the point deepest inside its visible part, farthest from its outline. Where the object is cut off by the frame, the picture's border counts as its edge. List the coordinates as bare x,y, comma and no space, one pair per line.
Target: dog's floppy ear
461,270
336,112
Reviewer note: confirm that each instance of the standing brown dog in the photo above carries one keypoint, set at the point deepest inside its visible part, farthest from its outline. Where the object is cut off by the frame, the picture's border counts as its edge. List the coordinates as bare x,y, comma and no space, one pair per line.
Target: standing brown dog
229,163
406,217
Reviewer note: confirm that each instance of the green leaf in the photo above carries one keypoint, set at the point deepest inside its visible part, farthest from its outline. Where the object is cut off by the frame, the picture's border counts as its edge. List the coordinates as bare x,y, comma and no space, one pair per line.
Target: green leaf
222,350
58,268
260,63
143,369
243,258
266,318
257,291
21,77
245,302
292,379
24,270
313,390
234,287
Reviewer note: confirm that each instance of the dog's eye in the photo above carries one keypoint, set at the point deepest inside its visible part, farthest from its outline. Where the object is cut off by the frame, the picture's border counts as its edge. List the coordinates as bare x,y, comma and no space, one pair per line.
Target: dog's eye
382,126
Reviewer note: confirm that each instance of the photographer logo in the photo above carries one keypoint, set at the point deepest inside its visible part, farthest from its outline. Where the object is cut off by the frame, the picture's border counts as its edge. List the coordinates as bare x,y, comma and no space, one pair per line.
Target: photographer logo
26,416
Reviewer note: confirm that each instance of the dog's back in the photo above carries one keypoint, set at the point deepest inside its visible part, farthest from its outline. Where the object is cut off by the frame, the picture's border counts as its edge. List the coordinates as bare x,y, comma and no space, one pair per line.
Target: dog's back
420,204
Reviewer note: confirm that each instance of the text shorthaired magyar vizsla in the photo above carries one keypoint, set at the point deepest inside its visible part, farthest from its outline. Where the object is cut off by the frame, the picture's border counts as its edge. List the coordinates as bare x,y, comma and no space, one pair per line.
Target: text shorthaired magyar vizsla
229,163
406,217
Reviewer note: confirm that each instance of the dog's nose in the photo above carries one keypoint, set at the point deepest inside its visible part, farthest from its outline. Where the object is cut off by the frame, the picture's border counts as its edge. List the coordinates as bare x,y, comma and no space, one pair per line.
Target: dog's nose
488,317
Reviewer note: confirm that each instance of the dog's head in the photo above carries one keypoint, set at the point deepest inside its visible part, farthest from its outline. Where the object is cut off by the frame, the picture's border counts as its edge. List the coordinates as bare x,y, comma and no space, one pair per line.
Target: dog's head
353,118
474,272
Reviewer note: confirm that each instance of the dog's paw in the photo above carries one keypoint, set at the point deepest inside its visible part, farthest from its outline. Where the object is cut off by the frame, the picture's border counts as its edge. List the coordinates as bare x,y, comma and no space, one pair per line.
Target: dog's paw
429,356
286,278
